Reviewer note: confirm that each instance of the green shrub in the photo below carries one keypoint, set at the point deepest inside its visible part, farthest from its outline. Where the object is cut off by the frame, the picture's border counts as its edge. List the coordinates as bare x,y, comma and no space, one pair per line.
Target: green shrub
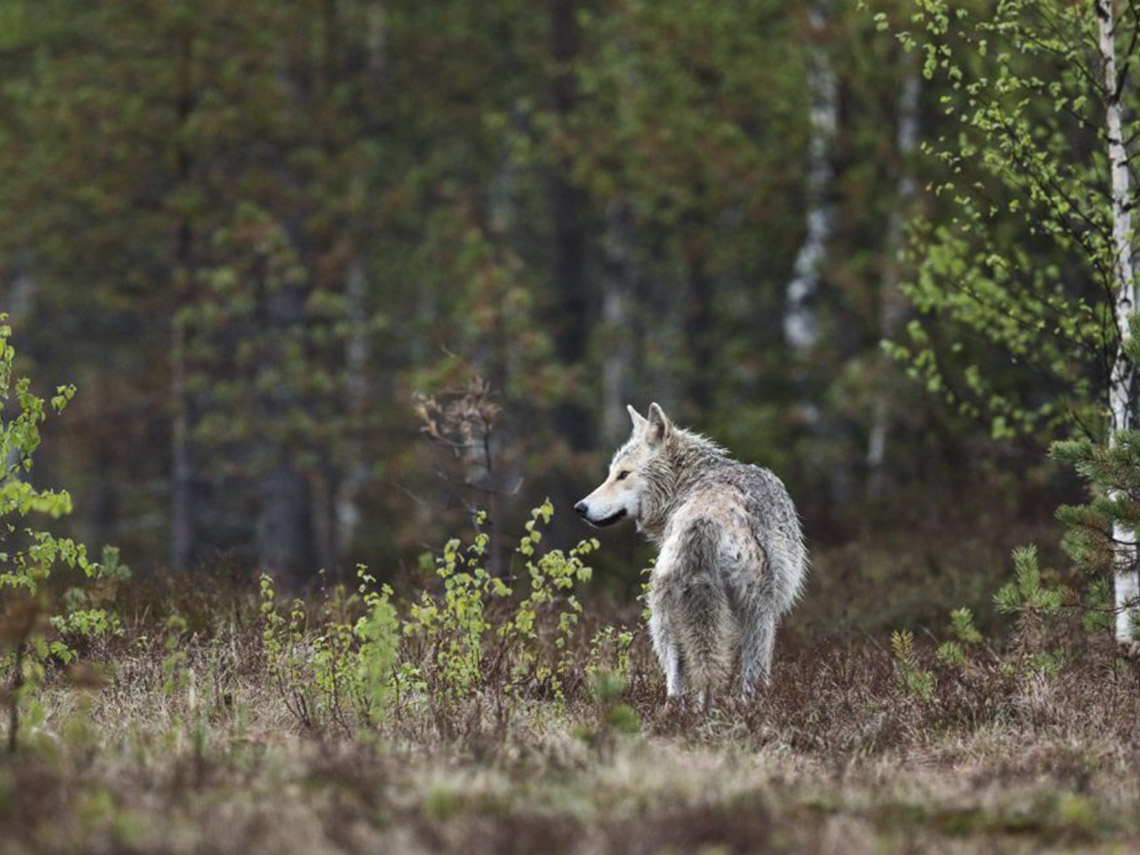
916,681
36,626
468,636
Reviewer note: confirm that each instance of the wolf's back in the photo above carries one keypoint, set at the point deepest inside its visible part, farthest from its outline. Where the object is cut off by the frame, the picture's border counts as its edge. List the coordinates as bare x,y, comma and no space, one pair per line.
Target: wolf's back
776,525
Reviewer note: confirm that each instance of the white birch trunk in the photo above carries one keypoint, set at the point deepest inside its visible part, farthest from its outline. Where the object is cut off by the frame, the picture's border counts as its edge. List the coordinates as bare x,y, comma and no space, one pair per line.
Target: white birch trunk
377,39
347,512
1127,581
891,301
801,327
21,295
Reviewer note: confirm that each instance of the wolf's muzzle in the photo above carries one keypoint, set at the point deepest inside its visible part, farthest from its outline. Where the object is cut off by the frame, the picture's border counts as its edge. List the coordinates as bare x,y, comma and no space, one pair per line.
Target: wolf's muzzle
610,520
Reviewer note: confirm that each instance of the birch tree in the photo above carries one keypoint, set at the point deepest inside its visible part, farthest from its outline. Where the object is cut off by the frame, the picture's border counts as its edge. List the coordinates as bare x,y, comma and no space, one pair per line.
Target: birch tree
801,327
1034,257
892,306
1121,389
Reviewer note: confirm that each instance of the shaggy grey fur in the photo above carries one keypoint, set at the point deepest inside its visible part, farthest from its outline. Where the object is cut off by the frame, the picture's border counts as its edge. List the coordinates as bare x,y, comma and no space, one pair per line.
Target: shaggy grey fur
732,557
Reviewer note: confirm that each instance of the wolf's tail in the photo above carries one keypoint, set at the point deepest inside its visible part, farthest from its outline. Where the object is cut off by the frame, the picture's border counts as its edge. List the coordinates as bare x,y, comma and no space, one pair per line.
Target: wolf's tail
705,617
784,547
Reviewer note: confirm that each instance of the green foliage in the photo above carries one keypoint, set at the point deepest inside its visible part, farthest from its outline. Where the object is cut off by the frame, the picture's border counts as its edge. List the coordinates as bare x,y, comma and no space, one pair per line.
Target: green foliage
453,625
36,552
1021,258
1029,652
528,639
465,636
613,718
1018,259
1111,512
553,577
966,635
608,670
1097,606
31,555
340,207
305,670
1026,595
379,633
610,651
913,679
951,653
175,677
962,625
1033,603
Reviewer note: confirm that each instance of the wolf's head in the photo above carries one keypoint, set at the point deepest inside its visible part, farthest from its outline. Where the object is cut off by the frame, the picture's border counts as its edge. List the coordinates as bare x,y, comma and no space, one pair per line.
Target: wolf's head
634,480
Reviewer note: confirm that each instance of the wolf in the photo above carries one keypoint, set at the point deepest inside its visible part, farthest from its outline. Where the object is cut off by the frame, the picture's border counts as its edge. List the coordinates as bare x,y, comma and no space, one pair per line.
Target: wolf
731,556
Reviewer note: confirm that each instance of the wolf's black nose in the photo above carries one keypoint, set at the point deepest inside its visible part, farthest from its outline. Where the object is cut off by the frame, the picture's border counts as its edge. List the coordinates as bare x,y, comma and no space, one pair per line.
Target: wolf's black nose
581,509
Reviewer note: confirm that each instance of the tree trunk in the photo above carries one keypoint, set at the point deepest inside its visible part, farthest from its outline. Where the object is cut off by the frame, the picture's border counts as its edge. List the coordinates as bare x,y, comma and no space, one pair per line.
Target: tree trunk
102,503
1127,581
892,302
801,327
289,527
182,516
801,318
572,318
356,395
620,281
284,545
14,697
346,510
699,330
284,516
322,486
21,296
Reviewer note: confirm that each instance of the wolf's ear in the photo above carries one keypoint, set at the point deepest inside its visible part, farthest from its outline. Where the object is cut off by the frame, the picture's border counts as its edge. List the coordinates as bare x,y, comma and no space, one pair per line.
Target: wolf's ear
639,421
659,425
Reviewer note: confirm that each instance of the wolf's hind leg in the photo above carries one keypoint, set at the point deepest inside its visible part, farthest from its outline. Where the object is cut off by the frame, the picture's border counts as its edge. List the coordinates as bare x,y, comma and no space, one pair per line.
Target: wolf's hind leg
758,635
668,654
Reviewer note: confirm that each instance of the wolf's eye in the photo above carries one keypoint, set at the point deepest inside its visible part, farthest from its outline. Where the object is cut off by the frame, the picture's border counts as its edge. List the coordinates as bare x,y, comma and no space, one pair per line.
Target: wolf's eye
625,473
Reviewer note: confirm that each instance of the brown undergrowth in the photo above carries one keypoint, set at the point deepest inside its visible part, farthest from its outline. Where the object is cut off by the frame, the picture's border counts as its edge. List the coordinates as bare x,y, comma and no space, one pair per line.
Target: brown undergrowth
192,741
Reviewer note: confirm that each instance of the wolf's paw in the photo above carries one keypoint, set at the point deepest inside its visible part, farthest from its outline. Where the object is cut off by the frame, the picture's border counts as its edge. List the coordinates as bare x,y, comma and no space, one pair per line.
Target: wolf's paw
753,694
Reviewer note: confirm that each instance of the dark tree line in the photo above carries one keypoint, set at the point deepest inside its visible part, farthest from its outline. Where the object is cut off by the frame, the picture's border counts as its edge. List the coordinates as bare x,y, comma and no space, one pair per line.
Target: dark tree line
252,232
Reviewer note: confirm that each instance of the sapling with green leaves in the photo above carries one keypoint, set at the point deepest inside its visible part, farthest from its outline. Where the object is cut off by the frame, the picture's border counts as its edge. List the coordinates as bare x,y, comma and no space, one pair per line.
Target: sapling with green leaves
358,663
1031,255
379,633
33,627
1032,602
528,642
916,681
966,637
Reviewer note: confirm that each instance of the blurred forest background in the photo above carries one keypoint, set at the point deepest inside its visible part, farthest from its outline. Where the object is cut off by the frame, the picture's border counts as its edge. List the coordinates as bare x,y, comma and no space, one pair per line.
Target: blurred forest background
329,274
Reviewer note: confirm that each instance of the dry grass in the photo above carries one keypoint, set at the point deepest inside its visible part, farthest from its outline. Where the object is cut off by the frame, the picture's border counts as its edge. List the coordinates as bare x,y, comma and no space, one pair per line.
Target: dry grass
836,758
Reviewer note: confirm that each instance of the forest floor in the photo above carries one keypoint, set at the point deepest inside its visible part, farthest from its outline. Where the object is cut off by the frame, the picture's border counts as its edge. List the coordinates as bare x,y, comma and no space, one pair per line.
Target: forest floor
193,746
834,760
267,791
